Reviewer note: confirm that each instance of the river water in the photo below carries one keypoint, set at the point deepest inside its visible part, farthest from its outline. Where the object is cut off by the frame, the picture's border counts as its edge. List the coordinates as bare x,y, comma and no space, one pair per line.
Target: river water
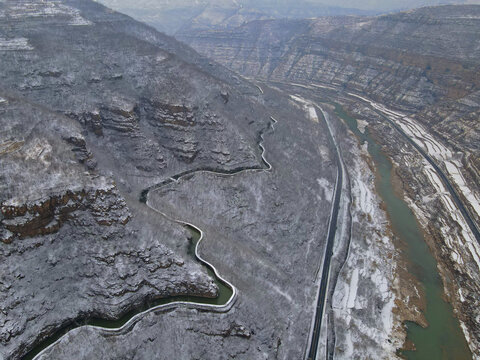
443,338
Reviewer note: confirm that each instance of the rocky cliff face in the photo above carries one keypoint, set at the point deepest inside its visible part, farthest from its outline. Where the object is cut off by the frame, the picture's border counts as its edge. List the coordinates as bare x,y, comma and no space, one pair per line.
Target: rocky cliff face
111,73
94,108
423,61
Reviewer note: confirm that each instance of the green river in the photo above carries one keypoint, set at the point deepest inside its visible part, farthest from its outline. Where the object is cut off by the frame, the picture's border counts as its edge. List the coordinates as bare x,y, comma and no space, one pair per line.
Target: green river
443,338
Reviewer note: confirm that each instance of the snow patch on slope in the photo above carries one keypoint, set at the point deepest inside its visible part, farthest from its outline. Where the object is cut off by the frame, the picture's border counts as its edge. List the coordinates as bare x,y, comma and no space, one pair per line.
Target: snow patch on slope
352,290
307,106
14,44
44,9
327,189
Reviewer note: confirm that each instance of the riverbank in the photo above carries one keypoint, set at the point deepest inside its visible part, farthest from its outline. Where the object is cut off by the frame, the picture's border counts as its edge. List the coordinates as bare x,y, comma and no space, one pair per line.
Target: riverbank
429,342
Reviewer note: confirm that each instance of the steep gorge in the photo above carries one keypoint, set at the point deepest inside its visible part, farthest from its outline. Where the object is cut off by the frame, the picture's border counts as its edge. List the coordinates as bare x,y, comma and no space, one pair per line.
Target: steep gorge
424,62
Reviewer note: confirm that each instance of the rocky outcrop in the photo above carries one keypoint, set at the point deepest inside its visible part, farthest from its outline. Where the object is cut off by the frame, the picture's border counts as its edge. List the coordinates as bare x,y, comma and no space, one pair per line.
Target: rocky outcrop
47,215
175,124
